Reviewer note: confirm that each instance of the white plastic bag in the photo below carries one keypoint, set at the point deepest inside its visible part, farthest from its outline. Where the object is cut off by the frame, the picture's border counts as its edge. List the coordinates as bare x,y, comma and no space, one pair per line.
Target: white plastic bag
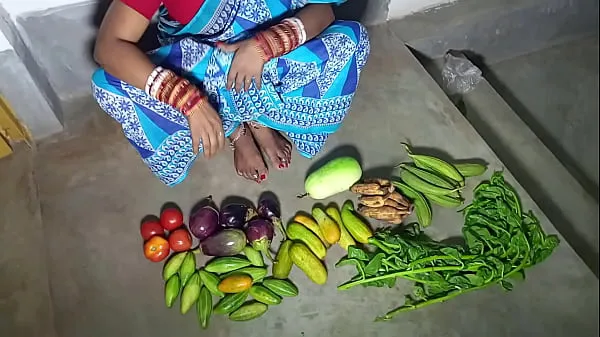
459,74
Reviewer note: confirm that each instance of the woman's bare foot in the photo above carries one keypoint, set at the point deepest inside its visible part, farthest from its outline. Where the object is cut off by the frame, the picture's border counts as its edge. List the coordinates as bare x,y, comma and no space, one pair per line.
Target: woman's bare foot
275,146
247,158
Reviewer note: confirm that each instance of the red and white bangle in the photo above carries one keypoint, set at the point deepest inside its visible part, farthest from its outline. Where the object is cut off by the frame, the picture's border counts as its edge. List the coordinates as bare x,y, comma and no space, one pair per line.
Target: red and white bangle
153,75
165,86
158,82
297,23
280,39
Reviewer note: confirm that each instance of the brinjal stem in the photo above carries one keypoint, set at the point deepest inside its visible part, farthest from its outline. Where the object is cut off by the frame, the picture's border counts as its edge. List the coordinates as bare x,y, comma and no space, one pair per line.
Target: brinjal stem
279,225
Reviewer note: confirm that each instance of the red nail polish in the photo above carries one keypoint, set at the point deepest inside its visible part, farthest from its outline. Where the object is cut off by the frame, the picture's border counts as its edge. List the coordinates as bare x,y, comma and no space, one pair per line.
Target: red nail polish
263,176
281,166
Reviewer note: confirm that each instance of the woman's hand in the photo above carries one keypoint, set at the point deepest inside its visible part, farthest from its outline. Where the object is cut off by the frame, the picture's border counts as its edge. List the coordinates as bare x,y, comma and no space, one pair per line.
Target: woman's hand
206,127
247,65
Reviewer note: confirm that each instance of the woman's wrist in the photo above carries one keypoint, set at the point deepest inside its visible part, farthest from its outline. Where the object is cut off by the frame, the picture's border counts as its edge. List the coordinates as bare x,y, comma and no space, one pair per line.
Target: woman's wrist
280,39
165,86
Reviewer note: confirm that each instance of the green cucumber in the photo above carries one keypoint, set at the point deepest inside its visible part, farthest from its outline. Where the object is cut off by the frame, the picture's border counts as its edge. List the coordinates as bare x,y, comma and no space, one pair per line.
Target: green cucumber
297,232
282,266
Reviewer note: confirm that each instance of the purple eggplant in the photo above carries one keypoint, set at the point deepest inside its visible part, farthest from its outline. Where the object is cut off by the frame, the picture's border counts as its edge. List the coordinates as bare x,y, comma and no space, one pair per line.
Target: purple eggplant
236,215
268,209
204,222
227,242
260,233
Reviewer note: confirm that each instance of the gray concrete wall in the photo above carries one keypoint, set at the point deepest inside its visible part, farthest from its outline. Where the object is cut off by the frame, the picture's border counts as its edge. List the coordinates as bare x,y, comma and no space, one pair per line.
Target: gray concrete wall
61,42
25,84
25,97
497,30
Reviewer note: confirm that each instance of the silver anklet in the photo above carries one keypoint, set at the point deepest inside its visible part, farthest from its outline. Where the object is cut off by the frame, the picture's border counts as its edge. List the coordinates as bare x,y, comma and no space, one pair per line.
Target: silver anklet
241,132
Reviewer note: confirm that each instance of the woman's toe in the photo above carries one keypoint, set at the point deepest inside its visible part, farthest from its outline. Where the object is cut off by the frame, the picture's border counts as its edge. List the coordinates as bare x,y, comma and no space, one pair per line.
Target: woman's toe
262,175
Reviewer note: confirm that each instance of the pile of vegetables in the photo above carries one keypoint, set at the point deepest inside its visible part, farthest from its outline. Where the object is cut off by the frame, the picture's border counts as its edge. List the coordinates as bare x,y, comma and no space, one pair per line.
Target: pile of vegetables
224,232
429,179
232,279
237,235
309,237
501,241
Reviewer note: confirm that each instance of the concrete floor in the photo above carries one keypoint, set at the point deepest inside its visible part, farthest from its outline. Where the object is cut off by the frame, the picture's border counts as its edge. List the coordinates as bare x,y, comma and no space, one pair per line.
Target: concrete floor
555,91
93,191
25,305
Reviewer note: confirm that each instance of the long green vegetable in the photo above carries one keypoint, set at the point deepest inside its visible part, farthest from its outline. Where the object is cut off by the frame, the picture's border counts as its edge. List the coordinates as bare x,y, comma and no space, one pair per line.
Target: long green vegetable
500,243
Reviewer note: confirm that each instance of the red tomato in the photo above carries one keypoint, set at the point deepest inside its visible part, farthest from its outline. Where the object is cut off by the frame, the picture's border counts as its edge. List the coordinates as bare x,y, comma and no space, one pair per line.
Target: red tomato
171,218
156,249
151,228
180,240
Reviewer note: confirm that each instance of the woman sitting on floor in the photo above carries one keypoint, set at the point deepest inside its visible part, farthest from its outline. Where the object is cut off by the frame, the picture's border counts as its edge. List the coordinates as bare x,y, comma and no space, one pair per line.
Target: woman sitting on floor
245,70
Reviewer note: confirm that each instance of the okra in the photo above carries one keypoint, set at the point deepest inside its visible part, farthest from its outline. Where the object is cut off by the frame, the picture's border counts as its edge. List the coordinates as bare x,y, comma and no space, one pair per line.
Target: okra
422,207
437,165
429,177
445,200
470,169
423,186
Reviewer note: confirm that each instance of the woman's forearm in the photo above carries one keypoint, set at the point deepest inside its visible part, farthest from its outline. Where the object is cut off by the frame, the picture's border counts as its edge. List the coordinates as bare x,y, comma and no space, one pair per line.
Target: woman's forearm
316,17
116,50
125,61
